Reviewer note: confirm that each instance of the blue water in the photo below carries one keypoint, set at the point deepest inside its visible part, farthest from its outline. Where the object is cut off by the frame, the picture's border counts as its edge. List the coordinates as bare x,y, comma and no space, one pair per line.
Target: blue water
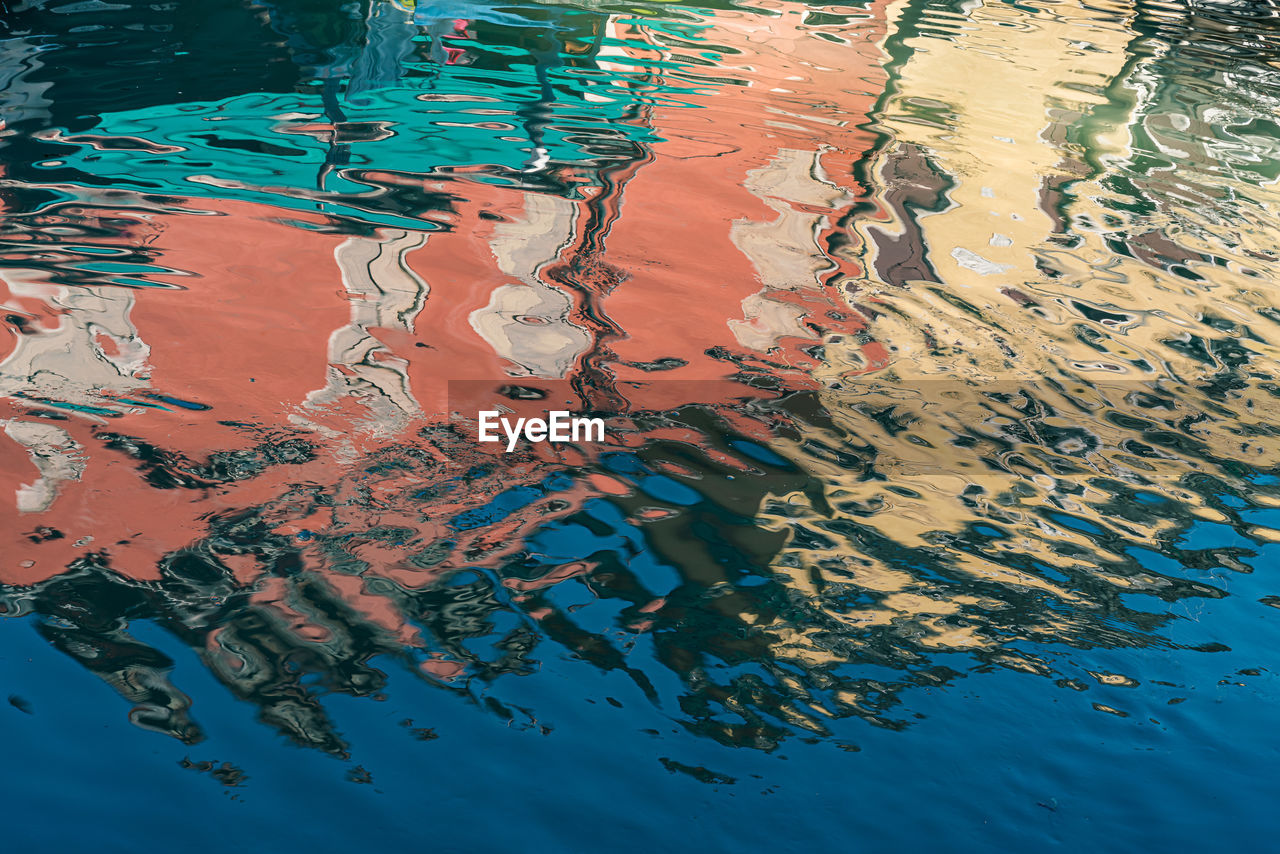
937,343
992,762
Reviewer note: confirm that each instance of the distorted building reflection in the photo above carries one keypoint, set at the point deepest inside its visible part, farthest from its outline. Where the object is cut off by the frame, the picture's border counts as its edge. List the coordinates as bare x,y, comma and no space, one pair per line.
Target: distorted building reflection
829,483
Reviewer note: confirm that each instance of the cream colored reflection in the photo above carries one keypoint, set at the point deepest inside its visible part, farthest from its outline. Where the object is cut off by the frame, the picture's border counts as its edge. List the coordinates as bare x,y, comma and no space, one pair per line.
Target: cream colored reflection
91,357
785,250
977,284
784,62
384,294
57,457
527,323
93,353
93,349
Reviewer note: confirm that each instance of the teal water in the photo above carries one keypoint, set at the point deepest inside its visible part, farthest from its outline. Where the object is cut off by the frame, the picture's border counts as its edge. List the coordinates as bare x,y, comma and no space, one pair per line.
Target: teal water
936,343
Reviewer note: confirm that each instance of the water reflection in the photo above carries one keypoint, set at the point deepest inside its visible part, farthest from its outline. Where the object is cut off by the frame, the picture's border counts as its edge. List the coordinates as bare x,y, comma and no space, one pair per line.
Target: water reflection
904,380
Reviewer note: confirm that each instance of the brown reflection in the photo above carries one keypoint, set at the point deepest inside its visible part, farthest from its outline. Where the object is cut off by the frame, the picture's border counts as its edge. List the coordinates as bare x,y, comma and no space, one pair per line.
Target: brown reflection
931,390
1068,379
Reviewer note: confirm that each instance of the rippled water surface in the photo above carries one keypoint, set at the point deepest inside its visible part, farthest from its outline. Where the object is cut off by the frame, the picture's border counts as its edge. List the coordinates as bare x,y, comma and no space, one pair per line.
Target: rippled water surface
937,348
